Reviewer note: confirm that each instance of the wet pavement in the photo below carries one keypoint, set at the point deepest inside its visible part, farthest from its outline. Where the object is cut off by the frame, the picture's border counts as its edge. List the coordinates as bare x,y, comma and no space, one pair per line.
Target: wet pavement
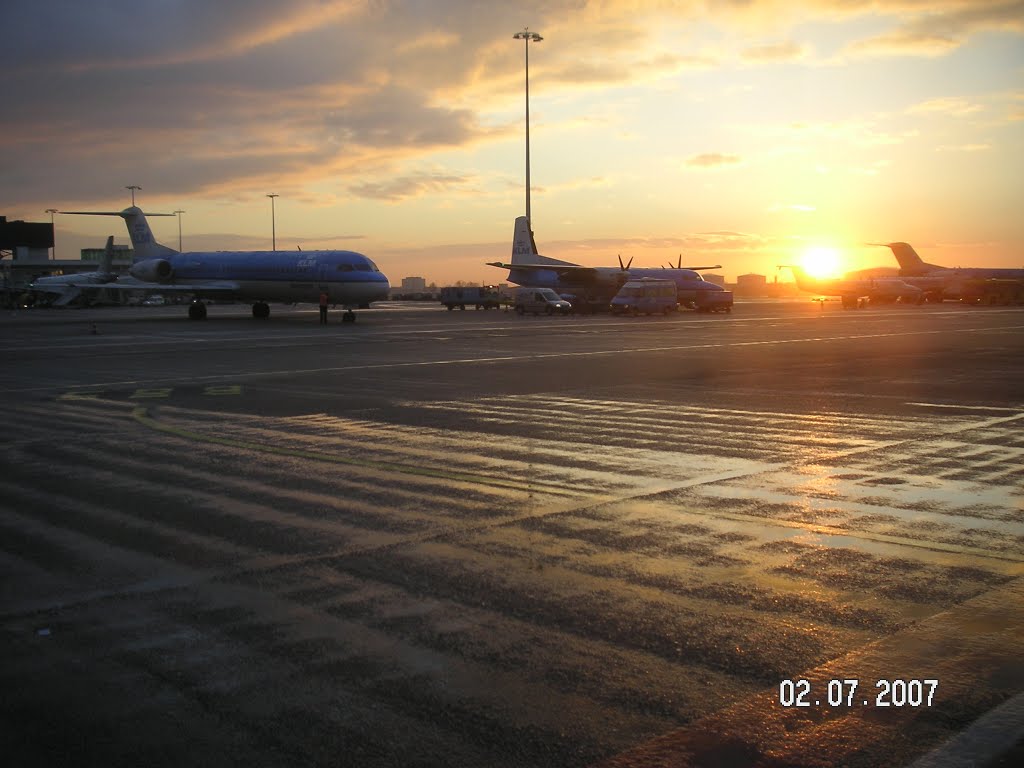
789,536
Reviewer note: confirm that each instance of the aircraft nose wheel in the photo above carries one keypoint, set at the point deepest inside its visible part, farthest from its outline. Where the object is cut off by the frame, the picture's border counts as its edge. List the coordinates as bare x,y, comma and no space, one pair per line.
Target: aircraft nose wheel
348,317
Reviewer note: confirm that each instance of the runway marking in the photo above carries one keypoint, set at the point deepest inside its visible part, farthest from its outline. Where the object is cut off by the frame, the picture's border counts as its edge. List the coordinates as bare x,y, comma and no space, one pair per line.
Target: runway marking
227,389
157,392
973,647
80,395
953,406
986,739
532,356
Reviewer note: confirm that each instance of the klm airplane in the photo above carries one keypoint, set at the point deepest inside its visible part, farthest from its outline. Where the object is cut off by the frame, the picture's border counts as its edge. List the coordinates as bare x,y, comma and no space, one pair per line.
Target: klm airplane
348,278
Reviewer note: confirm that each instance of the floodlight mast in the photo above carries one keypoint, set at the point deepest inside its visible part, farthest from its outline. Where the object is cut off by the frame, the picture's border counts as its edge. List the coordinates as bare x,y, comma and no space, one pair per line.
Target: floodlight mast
273,222
528,37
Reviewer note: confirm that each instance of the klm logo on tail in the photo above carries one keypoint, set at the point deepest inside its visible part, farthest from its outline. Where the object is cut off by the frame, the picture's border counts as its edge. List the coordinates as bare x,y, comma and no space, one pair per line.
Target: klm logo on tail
524,247
140,233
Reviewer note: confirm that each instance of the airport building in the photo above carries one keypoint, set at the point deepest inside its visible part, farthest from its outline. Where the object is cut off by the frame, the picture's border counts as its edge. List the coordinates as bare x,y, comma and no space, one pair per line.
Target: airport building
752,284
414,285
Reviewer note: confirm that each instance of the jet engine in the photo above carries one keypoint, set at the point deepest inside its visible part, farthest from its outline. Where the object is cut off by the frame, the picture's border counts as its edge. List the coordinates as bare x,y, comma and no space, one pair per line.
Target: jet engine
152,270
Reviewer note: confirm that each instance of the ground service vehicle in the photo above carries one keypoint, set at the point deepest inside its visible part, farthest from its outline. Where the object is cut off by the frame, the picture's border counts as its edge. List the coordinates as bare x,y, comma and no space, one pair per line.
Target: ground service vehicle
480,297
713,301
540,300
647,296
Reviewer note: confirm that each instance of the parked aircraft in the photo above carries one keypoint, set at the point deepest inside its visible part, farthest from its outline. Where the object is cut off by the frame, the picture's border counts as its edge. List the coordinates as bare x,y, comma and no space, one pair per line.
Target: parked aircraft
348,278
590,285
940,283
61,290
852,291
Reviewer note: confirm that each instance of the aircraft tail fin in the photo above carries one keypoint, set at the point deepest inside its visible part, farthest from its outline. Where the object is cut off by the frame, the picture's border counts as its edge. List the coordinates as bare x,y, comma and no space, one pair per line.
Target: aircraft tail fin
524,247
803,280
107,261
145,245
910,263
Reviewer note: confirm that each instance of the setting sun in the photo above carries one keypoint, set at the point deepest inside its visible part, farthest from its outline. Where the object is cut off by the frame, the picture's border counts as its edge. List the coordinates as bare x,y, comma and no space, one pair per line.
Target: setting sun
821,261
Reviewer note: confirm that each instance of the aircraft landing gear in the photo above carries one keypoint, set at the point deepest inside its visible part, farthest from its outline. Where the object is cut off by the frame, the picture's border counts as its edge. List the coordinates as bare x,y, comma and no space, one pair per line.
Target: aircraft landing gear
196,310
261,310
348,317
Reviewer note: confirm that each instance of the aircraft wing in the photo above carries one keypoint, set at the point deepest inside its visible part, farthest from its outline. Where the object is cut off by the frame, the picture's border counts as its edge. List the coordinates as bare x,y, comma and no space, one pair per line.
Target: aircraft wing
562,269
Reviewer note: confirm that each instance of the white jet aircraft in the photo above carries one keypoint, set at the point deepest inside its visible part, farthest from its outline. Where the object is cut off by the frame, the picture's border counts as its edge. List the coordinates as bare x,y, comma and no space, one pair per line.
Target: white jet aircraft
61,290
348,278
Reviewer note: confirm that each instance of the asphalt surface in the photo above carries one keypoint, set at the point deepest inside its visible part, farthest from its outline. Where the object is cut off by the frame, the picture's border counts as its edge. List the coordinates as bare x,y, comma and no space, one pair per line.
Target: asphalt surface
793,535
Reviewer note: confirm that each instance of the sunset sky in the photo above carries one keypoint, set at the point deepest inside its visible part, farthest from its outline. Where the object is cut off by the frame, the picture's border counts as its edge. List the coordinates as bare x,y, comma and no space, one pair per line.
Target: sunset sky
731,132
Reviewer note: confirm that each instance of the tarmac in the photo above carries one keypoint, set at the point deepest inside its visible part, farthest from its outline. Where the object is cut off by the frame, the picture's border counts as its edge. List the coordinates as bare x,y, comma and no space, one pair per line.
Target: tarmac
789,536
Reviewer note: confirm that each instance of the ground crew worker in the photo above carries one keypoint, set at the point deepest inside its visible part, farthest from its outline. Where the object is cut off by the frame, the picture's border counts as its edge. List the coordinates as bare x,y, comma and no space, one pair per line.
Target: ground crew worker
323,307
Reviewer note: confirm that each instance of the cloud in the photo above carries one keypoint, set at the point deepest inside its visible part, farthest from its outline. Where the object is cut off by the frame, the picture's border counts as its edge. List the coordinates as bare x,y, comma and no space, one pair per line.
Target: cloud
936,28
198,98
953,106
403,187
964,148
712,160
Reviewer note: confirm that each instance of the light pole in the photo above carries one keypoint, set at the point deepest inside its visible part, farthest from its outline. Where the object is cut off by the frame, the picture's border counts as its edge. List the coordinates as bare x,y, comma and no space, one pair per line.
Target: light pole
52,211
133,187
527,37
273,224
178,214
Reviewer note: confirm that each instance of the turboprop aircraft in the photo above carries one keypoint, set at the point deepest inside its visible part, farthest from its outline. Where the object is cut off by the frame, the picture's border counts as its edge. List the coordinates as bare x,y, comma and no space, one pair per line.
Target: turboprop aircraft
591,285
348,278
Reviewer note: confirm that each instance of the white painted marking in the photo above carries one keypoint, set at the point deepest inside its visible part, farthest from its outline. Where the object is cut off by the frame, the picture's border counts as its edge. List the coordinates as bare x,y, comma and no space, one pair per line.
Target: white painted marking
1019,409
983,741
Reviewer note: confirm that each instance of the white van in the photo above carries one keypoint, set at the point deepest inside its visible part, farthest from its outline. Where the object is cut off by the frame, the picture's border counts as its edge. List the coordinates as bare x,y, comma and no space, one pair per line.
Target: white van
647,295
538,300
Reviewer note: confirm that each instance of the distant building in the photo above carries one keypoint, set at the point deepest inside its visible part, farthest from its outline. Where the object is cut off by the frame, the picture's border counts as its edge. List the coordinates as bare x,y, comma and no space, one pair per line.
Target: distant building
413,285
716,279
25,241
751,285
122,254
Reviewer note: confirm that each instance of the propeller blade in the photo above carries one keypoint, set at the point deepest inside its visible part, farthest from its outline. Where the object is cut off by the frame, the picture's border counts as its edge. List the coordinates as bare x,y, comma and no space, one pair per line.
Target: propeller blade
628,263
620,262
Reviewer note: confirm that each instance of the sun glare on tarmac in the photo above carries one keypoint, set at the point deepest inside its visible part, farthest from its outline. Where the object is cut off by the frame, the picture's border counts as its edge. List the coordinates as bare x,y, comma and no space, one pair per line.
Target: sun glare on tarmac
821,261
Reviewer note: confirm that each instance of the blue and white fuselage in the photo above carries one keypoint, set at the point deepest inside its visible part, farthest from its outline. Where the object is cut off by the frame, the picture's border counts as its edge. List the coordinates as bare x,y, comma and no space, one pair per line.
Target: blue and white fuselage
347,278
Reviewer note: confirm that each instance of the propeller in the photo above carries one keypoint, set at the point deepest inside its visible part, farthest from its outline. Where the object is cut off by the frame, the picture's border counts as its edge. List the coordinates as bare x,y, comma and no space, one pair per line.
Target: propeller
628,263
679,265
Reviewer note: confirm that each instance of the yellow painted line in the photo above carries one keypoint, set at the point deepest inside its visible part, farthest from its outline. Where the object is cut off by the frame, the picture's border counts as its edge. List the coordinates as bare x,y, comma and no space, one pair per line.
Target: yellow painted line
79,396
141,415
228,389
158,392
